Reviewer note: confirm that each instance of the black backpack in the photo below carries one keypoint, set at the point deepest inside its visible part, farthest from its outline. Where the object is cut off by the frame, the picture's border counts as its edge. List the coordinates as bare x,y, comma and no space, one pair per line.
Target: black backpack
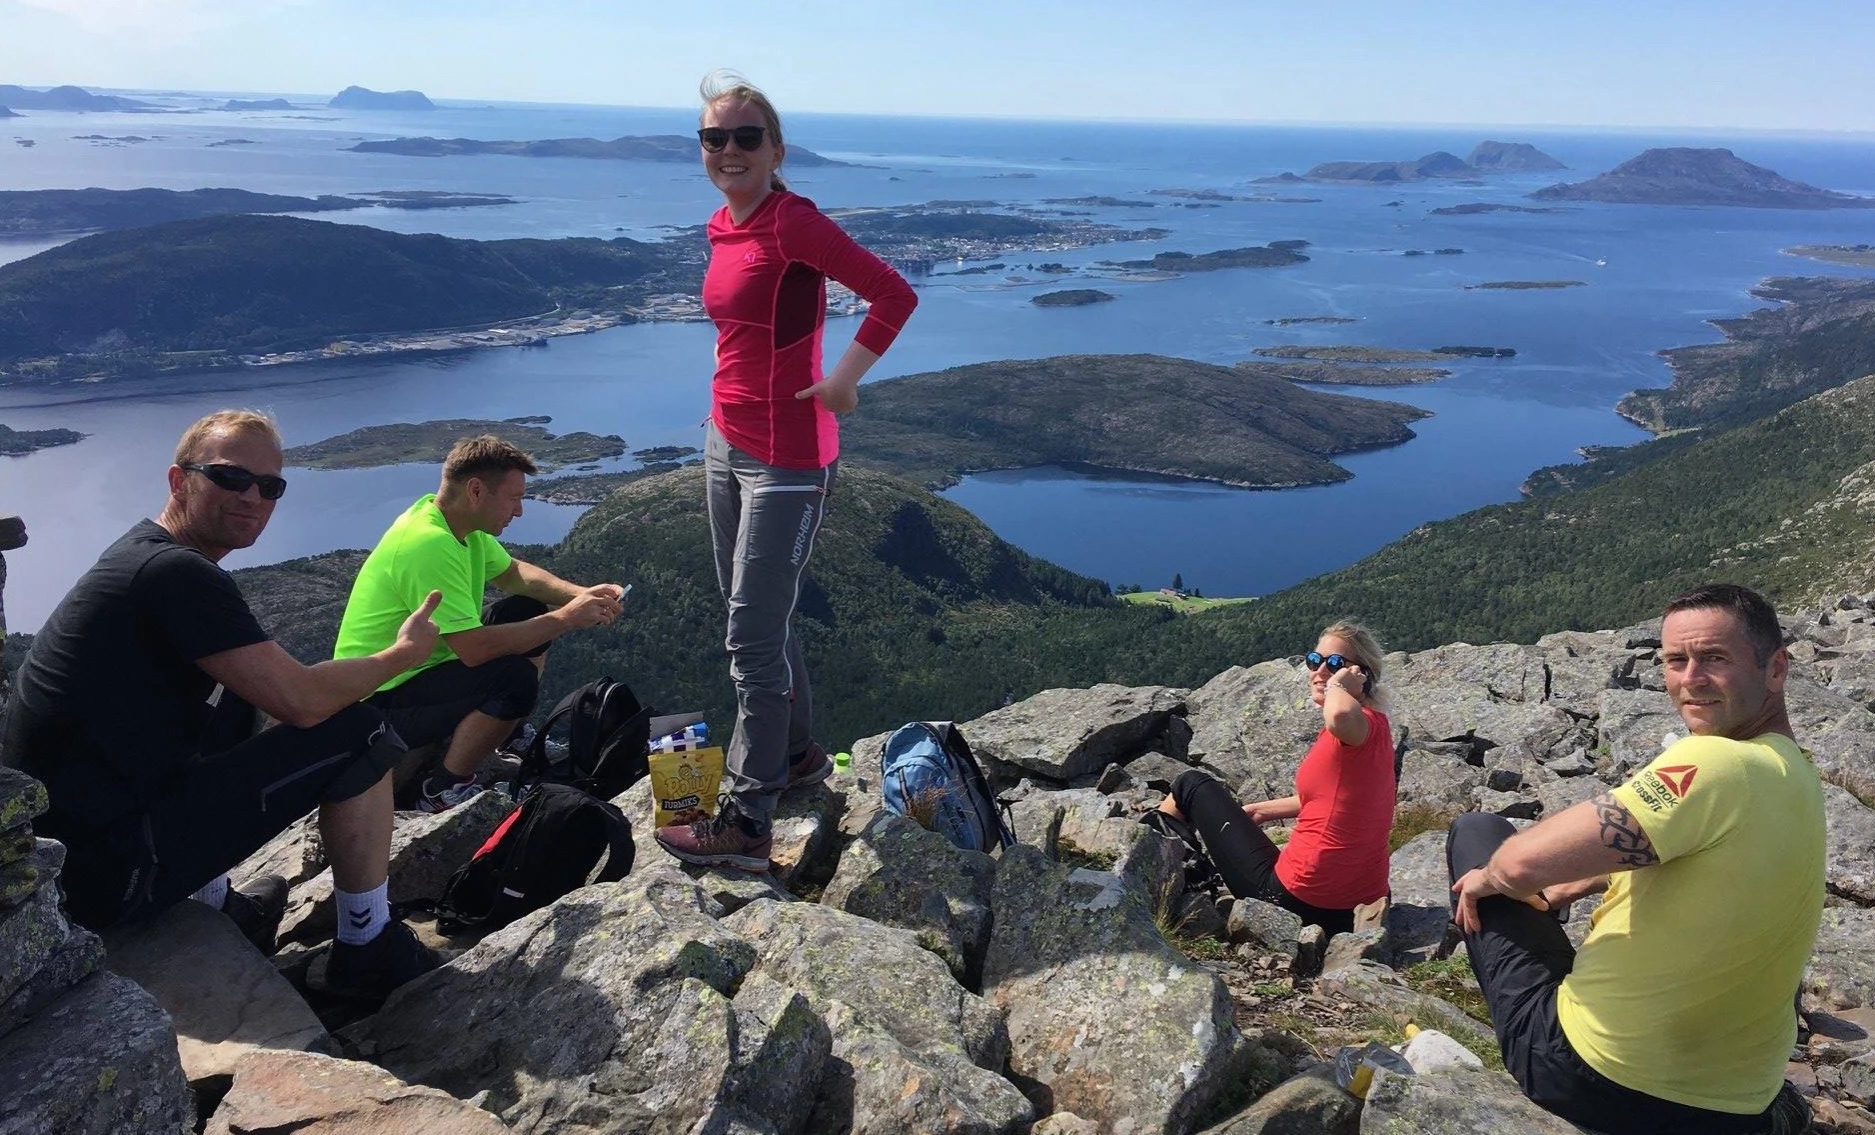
546,848
608,736
1200,874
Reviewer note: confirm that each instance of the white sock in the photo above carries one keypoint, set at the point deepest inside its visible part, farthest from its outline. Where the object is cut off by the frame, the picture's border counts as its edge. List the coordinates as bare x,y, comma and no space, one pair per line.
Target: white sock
214,894
361,916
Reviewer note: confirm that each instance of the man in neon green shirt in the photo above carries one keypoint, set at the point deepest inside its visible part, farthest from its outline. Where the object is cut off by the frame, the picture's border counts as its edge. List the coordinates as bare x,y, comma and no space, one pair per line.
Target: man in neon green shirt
484,675
1676,1014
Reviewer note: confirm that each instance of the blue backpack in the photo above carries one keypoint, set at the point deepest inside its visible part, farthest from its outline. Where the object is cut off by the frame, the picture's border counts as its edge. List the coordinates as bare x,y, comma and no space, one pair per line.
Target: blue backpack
929,774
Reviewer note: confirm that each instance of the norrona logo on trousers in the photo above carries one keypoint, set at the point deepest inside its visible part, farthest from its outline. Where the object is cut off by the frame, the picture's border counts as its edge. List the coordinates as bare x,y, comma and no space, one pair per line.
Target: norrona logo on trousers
800,538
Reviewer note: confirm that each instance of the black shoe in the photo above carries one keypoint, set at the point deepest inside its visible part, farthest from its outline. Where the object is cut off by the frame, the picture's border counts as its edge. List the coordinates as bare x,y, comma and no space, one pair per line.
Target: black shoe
372,970
256,910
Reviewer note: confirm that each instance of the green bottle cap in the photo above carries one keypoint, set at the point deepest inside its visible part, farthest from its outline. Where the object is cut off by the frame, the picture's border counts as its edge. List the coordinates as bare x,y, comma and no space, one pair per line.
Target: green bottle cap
842,760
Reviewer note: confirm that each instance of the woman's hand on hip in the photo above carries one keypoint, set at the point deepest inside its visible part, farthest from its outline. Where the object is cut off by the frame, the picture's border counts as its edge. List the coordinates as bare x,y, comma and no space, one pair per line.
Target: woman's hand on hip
838,395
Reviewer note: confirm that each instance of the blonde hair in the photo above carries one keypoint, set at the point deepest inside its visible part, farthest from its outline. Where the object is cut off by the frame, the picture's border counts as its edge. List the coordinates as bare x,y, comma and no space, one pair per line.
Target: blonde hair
234,422
484,456
724,85
1365,648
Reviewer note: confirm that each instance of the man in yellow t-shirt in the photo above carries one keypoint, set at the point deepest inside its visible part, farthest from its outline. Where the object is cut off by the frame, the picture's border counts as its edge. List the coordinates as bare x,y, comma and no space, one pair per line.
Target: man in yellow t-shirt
483,677
1676,1014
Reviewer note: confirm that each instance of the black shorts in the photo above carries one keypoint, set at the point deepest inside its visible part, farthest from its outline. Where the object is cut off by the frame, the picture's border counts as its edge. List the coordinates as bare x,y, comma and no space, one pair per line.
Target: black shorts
221,809
427,708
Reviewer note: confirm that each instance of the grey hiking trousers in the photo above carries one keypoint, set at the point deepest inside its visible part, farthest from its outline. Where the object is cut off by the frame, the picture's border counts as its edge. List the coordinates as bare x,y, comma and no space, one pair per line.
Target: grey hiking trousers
763,521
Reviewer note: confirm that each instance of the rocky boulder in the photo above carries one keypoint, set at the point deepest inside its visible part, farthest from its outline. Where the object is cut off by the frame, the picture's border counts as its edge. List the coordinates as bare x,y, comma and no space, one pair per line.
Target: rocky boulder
1455,1100
1252,725
1420,909
100,1060
306,1094
1064,734
900,874
1309,1104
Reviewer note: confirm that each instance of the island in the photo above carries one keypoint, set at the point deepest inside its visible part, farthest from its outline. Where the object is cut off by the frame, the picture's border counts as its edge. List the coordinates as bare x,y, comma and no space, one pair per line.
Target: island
665,453
257,104
592,488
1471,208
18,443
1852,255
1685,175
427,443
642,148
364,98
1510,157
1071,297
8,112
262,290
1523,285
58,212
66,98
1288,320
1276,254
1434,252
1322,373
1355,354
1101,201
1124,413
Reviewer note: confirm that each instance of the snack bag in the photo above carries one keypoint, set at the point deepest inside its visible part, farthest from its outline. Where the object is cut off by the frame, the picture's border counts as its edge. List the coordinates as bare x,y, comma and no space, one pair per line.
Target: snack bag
684,785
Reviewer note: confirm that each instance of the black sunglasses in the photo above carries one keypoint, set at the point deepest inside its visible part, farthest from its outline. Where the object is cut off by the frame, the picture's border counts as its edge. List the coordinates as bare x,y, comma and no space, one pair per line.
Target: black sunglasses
236,479
1315,658
748,138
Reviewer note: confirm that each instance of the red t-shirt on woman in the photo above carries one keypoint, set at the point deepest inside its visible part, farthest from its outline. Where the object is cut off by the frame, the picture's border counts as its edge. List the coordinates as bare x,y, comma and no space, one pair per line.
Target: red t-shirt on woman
766,289
1336,857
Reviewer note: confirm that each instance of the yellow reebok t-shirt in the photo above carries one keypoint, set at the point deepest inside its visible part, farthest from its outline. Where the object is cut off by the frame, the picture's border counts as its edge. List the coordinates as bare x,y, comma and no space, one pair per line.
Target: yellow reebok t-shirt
1683,989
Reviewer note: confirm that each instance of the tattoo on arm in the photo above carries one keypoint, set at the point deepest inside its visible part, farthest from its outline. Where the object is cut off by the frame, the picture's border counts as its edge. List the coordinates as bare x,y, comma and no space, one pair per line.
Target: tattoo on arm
1621,832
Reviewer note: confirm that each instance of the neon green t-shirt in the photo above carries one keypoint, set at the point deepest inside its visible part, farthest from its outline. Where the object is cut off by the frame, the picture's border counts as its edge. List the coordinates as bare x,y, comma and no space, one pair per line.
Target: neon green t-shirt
416,555
1683,989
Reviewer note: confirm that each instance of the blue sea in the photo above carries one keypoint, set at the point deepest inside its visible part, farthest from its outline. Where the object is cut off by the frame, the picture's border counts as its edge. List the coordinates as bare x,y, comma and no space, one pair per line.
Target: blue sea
1654,277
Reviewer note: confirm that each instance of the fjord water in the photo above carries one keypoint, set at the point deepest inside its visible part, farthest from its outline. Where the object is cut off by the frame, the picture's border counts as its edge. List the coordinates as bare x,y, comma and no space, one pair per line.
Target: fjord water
1653,276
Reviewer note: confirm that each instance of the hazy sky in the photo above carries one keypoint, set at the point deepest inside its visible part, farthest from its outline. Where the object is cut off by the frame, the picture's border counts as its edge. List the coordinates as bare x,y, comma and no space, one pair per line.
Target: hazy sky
1748,64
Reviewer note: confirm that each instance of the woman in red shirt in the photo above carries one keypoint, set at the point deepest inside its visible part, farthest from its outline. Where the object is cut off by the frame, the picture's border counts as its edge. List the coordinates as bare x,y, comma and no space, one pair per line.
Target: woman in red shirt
1336,858
771,448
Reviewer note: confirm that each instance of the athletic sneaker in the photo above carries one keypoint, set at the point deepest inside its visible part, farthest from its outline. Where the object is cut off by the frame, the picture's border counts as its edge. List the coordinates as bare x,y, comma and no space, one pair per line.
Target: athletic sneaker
810,766
372,970
433,798
256,910
727,839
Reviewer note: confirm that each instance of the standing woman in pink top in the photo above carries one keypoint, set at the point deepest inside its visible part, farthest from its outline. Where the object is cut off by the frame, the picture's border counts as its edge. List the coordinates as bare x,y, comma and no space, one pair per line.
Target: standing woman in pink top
772,446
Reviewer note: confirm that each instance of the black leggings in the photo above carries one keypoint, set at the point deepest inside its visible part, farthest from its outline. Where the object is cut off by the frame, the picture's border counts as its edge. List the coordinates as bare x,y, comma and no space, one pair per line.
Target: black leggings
1243,855
1520,957
220,810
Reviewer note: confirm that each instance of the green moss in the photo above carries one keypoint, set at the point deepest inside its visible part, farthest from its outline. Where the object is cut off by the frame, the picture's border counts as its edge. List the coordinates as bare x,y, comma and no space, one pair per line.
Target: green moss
107,1079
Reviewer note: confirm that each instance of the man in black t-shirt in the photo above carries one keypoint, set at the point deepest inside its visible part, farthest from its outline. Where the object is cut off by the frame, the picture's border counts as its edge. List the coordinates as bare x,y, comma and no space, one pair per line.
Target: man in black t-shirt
135,707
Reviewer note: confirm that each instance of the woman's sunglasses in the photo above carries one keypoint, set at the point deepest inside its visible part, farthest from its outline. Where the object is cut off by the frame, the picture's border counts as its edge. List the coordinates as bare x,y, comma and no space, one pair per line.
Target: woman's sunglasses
748,138
1315,658
236,479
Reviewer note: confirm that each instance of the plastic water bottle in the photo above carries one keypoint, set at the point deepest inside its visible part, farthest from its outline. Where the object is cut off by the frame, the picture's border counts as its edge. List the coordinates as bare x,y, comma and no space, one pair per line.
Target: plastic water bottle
689,737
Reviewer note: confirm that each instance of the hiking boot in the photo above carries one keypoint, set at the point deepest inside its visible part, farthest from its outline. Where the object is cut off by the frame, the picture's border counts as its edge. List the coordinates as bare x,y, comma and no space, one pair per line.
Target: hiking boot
369,972
810,766
256,910
434,798
727,839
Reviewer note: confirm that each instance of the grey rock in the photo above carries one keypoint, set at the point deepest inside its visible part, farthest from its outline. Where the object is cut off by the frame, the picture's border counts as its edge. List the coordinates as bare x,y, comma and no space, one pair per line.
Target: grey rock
309,1094
1309,1104
1382,990
1633,727
610,1009
1503,779
1197,916
1838,733
1310,946
1036,821
425,851
1857,1078
1511,805
1156,771
223,995
1640,636
1114,778
1420,909
1253,724
1560,795
296,855
899,874
806,820
1851,845
1115,1023
40,865
1345,950
1065,1123
31,935
1573,763
79,956
1430,1050
1842,967
1452,1101
1265,924
1062,734
1438,779
1502,671
1581,664
22,799
730,888
100,1060
915,1046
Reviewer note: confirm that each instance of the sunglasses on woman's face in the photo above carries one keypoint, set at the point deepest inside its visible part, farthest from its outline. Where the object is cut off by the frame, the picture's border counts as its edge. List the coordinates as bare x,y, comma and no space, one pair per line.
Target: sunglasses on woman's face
236,479
748,139
1315,658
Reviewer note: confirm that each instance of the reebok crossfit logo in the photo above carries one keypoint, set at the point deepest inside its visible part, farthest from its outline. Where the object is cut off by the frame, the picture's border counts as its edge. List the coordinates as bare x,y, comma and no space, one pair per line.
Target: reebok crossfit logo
1677,779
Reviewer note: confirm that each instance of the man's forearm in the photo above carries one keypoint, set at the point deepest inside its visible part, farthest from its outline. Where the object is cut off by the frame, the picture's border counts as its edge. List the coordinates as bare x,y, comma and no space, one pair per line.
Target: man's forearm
483,644
539,583
338,682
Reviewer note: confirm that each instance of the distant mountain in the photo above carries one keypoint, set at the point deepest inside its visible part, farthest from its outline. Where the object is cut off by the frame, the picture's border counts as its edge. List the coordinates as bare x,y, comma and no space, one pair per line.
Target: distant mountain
1511,157
364,98
644,148
257,104
1683,175
1436,164
54,212
65,98
6,112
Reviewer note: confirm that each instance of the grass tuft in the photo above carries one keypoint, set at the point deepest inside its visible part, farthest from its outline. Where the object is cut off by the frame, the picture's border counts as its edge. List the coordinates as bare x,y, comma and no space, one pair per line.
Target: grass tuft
1415,820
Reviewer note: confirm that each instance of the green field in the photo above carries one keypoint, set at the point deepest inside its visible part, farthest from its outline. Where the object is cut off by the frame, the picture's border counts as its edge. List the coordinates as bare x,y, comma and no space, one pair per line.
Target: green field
1183,606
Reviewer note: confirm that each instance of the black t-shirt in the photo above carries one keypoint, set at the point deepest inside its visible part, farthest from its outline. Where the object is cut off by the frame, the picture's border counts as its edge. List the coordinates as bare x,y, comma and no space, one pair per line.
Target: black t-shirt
110,704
